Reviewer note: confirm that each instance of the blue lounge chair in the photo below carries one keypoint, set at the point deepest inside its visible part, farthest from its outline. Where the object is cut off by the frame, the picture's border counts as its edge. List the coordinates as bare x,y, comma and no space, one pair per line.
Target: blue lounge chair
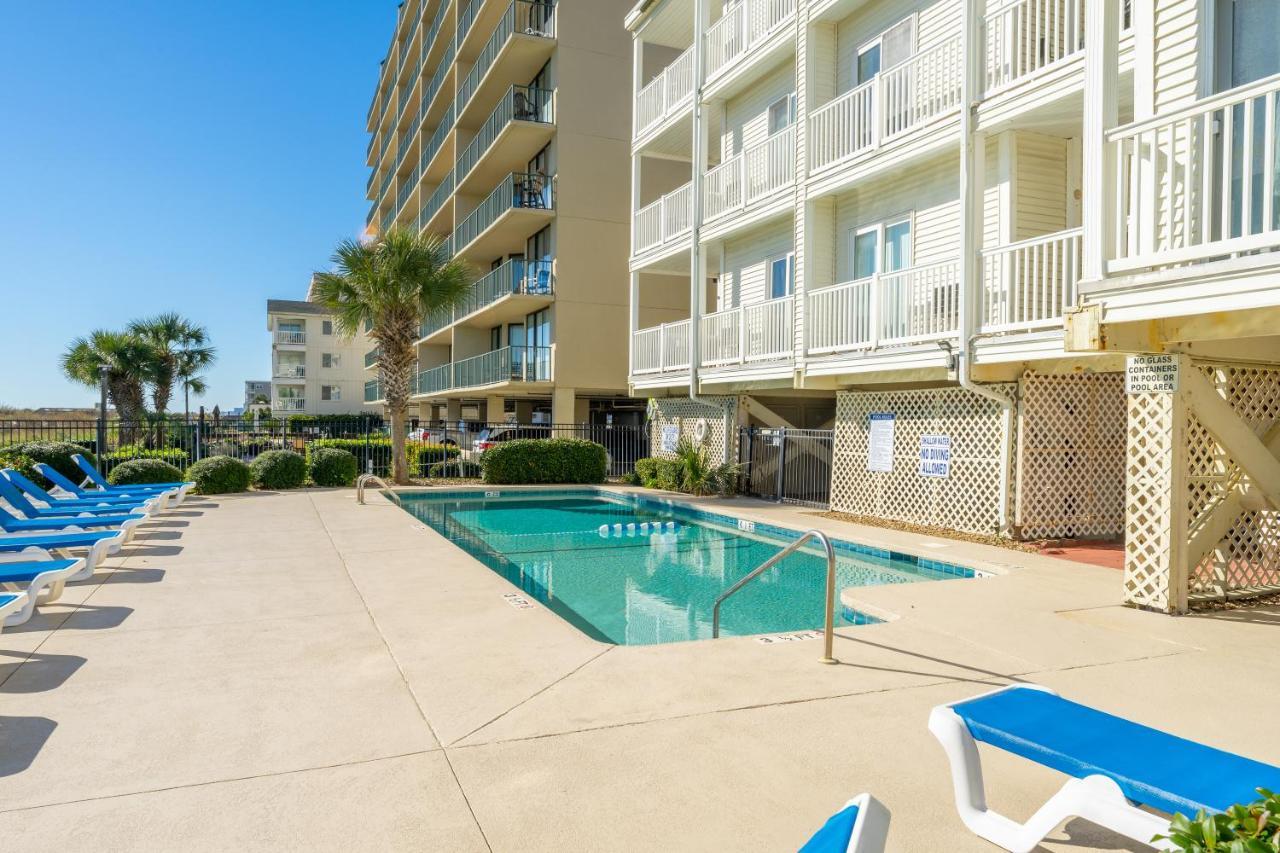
41,581
95,476
139,492
124,523
860,827
10,602
122,502
94,546
1117,766
19,501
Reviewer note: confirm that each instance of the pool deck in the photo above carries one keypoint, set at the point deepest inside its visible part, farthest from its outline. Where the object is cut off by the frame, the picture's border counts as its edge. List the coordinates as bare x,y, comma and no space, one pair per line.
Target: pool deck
296,672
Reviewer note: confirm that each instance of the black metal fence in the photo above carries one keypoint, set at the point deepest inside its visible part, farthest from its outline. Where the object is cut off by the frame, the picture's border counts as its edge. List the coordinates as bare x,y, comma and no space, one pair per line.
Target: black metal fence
181,442
787,465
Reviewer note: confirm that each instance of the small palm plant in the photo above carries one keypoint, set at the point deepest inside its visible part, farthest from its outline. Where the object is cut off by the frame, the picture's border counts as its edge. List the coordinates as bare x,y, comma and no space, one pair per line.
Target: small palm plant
125,358
1252,828
699,475
179,350
389,284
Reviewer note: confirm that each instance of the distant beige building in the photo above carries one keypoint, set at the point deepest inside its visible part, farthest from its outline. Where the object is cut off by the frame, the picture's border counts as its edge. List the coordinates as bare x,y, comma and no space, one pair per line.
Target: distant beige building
314,370
504,127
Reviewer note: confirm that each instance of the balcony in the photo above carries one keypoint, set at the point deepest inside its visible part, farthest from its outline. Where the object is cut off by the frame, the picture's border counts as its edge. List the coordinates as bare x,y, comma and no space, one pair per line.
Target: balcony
741,29
519,285
1029,284
1198,184
757,173
518,128
372,391
498,367
665,95
888,105
1026,36
665,221
291,339
290,371
501,223
289,404
760,332
661,349
915,305
429,167
521,43
435,204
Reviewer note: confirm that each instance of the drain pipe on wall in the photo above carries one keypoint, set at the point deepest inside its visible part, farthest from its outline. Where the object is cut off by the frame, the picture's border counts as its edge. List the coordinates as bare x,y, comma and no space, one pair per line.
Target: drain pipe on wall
972,180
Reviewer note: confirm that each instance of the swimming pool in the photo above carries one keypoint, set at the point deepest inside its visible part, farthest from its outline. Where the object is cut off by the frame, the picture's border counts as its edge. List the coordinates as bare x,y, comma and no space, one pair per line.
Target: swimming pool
637,571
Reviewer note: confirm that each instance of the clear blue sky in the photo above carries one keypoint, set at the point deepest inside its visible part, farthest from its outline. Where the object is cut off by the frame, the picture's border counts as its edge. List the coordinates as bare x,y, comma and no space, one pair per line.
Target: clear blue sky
160,155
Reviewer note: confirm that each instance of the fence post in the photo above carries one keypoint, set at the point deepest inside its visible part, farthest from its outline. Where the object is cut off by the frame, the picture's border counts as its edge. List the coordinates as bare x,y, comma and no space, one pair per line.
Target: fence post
200,436
368,455
782,463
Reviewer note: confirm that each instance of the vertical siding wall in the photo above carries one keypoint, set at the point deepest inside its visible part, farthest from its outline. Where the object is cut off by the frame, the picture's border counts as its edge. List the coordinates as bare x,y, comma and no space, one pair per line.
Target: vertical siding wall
935,23
1180,36
746,117
744,276
1041,180
969,499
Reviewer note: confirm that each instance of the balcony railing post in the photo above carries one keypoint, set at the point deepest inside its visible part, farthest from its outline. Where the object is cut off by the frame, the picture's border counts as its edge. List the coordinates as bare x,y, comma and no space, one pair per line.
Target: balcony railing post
876,298
741,317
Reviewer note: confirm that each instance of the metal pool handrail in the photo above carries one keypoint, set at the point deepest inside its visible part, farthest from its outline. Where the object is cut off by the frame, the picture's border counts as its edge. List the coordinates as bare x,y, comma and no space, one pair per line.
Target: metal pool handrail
828,631
365,479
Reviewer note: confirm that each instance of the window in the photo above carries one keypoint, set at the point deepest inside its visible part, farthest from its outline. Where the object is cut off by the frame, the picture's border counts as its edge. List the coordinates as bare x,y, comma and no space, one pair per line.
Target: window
1246,41
892,47
495,338
866,252
881,247
330,392
328,359
897,245
782,276
326,327
289,325
780,112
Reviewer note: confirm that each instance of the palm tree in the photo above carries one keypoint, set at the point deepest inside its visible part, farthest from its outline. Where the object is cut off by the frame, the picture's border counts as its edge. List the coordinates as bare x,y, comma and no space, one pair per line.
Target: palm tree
179,350
125,358
389,284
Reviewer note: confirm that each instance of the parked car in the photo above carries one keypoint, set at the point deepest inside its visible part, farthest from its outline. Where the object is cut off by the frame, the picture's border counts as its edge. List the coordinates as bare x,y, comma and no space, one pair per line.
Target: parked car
432,436
497,435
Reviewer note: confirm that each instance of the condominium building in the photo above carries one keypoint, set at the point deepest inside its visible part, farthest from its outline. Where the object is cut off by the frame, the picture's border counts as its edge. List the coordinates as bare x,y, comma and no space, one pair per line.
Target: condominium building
255,390
503,127
949,231
314,369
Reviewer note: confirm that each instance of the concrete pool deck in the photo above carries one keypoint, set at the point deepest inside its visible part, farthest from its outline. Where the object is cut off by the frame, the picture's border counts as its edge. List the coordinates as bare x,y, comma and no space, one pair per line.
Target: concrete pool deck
294,671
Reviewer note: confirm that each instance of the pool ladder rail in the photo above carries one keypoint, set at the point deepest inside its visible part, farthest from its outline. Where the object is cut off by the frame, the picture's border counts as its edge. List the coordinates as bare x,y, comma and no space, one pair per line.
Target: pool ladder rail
828,630
365,479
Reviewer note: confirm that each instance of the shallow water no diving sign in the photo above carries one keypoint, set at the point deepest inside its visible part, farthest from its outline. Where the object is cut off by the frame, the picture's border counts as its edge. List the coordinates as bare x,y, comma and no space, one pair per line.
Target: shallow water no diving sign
518,601
935,455
1151,374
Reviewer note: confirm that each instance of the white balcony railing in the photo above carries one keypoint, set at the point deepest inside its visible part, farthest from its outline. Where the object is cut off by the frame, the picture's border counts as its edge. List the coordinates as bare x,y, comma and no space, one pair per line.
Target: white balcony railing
289,404
665,94
1025,36
741,28
666,219
292,338
290,371
893,102
756,173
1201,182
890,309
1028,284
758,332
662,349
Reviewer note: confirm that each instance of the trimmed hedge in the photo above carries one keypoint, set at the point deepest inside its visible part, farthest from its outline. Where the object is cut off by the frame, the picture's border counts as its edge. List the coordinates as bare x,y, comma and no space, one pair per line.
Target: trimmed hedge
545,460
137,472
331,466
175,456
219,475
458,468
655,473
56,454
278,469
378,451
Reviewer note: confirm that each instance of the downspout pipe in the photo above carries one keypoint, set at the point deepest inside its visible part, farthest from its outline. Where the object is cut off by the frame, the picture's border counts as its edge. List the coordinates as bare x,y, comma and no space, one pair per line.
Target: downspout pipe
971,218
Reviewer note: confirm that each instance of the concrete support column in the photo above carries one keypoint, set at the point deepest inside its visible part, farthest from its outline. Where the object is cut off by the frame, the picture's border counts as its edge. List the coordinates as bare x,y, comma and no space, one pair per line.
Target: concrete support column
563,401
453,411
494,409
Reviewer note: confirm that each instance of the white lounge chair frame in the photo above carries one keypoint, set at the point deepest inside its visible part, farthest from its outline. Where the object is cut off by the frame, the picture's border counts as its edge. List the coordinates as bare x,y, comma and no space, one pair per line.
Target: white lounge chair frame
45,587
19,601
1095,798
871,829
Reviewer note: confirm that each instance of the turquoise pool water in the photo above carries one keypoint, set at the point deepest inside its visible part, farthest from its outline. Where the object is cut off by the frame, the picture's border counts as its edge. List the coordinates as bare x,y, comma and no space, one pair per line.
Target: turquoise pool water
639,571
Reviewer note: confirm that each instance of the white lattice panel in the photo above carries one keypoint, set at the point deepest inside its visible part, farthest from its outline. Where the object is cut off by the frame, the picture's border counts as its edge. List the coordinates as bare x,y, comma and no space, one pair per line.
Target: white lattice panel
1071,455
721,417
969,499
1152,526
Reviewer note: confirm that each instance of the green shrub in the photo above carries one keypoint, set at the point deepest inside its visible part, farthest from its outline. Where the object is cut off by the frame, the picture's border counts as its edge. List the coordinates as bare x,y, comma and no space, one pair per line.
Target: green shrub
175,456
631,478
656,473
139,471
374,454
1252,828
698,475
24,465
331,466
278,469
219,475
457,468
545,460
56,454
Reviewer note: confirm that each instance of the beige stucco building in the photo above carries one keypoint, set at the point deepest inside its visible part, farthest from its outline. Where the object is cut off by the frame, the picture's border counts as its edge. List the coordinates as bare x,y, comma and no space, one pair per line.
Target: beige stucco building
503,126
314,370
962,220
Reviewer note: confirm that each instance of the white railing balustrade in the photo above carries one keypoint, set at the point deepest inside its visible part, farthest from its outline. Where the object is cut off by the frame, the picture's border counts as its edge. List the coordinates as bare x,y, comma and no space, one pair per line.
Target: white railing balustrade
283,337
648,226
1200,183
661,349
1028,284
756,173
908,306
742,27
664,220
646,350
1025,36
671,90
675,345
720,338
761,331
839,318
893,102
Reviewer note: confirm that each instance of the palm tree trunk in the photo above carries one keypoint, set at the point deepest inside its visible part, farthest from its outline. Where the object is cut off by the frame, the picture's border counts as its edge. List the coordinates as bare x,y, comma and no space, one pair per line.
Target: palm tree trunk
399,464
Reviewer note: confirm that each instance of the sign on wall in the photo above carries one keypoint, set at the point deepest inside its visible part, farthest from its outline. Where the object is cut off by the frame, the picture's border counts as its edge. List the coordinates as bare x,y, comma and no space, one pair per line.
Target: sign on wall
935,455
670,438
880,449
1151,374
